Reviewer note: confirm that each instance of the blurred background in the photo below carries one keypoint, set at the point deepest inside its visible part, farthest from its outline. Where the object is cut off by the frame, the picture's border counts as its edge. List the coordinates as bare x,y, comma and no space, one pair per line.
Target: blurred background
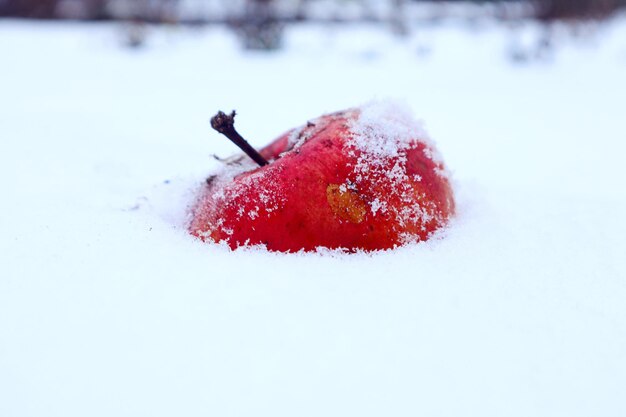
260,23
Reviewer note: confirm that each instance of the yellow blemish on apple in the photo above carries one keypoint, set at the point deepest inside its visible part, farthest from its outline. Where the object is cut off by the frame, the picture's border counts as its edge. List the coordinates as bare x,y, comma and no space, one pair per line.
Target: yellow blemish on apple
346,203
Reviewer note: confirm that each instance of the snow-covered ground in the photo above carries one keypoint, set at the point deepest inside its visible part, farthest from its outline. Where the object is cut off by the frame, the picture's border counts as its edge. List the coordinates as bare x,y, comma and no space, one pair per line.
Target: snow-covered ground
109,308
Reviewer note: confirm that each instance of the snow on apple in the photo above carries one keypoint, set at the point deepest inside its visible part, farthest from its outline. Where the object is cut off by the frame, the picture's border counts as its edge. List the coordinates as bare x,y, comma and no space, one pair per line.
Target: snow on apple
360,179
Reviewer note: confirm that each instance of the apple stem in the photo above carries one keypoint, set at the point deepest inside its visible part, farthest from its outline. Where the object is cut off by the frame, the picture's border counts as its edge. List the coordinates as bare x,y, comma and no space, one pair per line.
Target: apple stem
225,124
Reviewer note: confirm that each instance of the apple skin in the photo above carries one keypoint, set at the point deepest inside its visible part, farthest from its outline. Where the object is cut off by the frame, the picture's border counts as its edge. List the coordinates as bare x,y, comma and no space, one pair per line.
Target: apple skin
322,190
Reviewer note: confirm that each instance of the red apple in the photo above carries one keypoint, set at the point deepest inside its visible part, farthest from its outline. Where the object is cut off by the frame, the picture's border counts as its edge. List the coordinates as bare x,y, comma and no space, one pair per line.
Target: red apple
361,179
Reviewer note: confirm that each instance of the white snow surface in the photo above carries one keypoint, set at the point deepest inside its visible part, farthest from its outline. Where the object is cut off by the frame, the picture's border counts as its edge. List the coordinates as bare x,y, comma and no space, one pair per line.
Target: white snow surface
109,308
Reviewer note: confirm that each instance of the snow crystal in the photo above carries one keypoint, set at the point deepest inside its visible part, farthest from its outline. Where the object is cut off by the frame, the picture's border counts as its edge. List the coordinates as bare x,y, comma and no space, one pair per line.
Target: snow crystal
377,205
384,128
253,214
294,138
